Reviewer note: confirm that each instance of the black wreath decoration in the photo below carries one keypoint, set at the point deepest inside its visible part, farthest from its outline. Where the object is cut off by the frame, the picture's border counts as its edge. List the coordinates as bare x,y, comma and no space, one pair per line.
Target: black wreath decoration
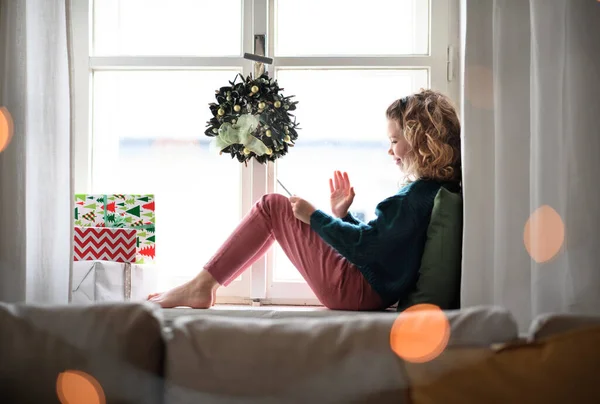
252,119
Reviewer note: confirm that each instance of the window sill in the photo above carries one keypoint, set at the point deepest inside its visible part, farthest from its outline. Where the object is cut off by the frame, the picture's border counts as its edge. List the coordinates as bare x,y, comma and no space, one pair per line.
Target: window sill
264,312
266,307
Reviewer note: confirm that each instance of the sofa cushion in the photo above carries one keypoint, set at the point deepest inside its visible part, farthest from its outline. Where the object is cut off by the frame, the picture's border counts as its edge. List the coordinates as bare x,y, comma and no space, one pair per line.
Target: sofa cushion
346,358
440,271
563,368
547,325
118,345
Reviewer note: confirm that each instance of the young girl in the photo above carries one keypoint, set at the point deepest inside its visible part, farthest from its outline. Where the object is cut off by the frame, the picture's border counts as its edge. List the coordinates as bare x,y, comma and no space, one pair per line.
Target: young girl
348,264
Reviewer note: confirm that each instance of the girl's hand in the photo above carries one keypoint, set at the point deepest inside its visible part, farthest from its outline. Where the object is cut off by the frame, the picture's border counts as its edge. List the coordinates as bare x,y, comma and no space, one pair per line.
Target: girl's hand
342,194
303,210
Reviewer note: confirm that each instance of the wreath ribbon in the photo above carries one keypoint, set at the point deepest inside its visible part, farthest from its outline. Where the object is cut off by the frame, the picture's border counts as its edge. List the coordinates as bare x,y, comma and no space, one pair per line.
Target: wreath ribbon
240,133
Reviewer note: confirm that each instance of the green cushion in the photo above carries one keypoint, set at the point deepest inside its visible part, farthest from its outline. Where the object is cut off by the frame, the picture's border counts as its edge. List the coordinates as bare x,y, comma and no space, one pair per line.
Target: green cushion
439,275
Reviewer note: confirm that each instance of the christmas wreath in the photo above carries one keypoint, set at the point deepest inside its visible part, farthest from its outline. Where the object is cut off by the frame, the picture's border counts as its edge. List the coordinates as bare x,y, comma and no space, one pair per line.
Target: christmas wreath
252,119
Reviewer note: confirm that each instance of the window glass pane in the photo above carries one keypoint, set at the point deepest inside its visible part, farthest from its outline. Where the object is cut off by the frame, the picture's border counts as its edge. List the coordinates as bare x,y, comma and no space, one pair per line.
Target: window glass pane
352,27
342,116
173,27
148,130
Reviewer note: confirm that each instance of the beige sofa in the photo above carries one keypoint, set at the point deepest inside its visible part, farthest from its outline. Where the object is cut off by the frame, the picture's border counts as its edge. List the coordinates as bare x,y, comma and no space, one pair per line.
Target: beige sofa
141,354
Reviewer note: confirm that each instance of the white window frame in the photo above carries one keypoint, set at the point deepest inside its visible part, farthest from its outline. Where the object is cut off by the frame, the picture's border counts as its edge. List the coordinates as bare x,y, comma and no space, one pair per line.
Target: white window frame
256,284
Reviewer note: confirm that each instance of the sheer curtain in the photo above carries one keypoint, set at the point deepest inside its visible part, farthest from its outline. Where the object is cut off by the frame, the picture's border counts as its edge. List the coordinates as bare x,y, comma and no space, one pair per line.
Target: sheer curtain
35,169
531,138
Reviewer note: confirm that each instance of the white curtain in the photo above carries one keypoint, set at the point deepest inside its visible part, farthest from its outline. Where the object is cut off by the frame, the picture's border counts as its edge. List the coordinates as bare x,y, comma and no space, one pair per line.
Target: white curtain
531,138
35,170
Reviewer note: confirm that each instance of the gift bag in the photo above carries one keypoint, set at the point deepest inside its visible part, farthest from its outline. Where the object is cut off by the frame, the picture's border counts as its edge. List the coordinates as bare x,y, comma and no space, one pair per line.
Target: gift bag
108,281
118,211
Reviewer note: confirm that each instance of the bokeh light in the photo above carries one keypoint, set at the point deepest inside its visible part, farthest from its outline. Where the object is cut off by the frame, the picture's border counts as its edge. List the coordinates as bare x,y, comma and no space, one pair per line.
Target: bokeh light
6,128
76,387
544,234
420,333
479,87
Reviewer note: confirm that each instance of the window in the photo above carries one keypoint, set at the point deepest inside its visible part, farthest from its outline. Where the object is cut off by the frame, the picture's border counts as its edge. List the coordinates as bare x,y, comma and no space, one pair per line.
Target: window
145,71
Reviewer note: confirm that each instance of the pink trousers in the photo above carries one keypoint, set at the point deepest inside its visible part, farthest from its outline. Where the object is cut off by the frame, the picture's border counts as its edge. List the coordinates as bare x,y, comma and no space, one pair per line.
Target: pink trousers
337,283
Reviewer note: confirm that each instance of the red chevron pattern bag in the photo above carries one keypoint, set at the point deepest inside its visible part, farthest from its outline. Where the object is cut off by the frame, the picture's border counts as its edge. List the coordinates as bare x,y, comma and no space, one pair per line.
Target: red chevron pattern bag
105,244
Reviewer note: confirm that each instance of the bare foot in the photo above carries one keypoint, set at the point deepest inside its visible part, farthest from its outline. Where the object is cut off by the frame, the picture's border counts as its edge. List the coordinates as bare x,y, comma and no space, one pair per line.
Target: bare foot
199,293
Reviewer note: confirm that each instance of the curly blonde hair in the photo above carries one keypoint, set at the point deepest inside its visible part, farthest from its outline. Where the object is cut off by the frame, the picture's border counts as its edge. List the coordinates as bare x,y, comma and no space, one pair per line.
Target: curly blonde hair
431,127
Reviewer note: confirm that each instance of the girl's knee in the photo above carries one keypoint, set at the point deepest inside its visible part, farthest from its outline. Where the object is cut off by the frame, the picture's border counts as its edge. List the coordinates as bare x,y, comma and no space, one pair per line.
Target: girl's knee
277,200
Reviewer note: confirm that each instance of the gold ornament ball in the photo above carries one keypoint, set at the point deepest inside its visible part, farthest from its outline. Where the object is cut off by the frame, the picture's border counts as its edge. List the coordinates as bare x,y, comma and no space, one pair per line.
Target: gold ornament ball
287,139
268,133
228,98
254,89
221,112
269,152
277,104
246,151
237,108
262,105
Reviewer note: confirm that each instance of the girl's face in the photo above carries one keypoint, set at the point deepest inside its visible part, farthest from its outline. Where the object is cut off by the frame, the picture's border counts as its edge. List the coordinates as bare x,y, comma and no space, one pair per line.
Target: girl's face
398,144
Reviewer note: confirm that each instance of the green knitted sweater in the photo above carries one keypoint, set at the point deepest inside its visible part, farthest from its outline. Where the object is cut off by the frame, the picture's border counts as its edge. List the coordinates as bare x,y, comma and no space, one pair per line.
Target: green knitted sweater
387,250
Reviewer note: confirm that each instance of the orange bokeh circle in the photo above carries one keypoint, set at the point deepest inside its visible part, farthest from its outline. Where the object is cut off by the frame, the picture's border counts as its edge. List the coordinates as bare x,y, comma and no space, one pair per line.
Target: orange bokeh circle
544,234
76,387
6,128
479,87
420,333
